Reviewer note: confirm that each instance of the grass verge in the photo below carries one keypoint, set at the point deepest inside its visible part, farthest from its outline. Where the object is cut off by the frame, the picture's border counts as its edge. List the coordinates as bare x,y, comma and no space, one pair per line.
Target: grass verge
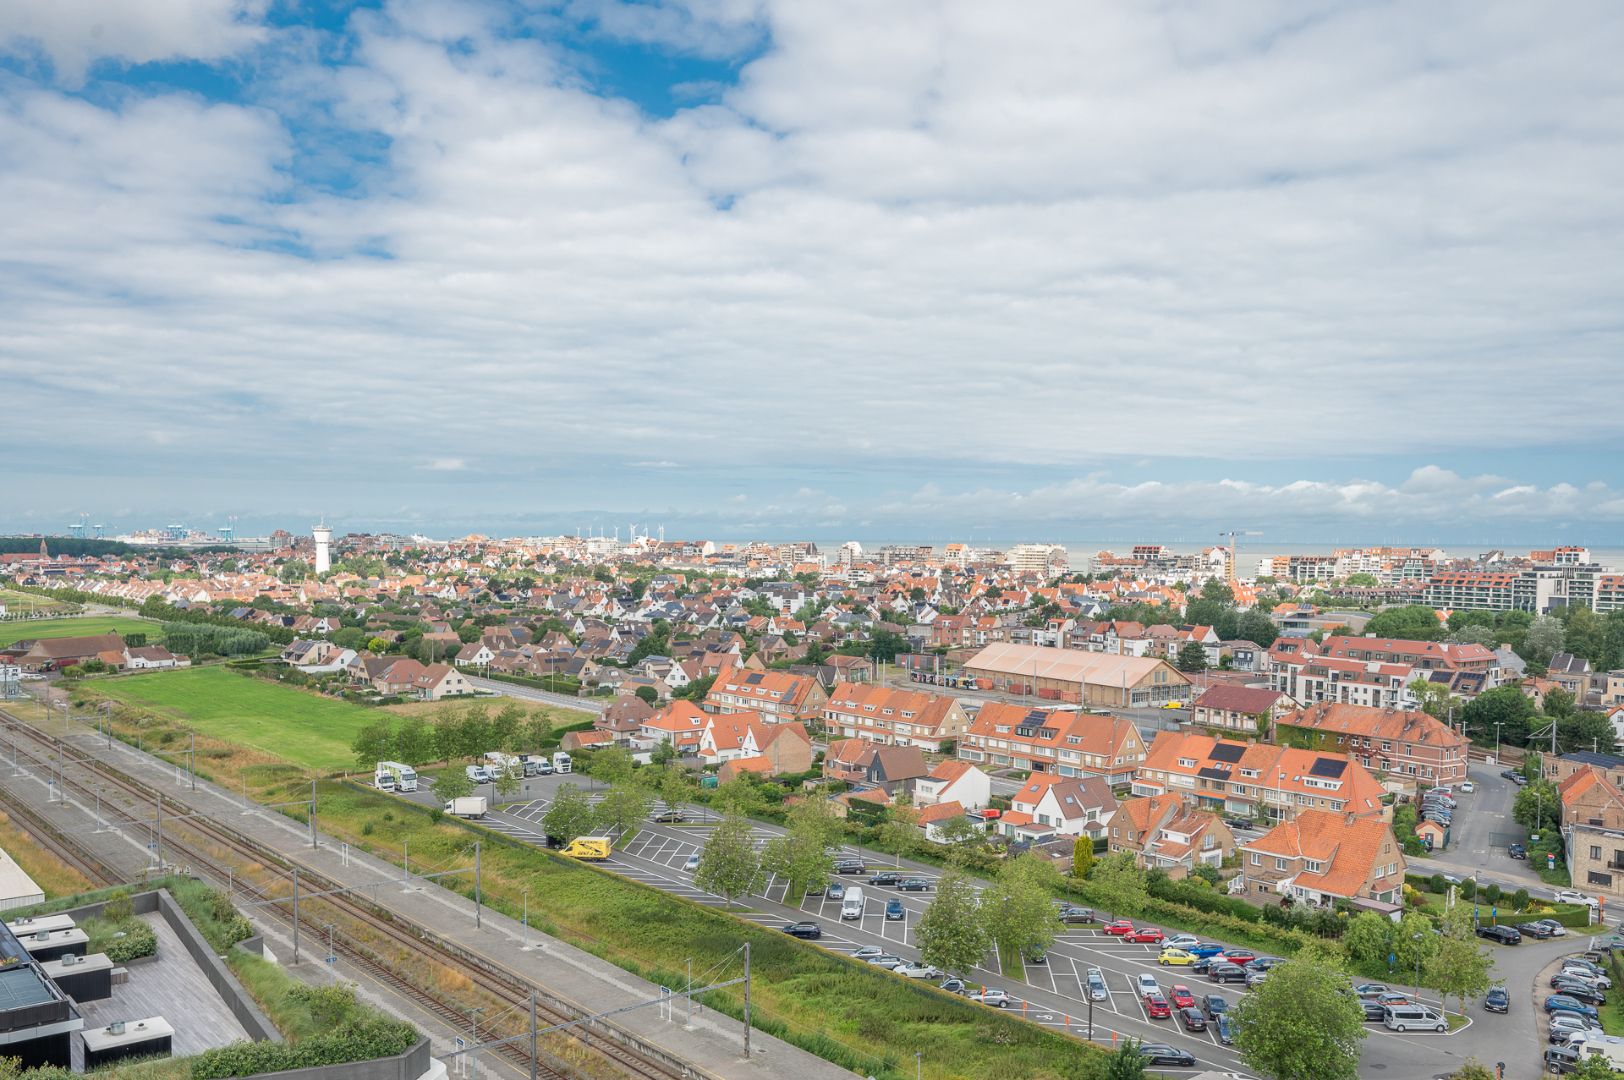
54,877
78,626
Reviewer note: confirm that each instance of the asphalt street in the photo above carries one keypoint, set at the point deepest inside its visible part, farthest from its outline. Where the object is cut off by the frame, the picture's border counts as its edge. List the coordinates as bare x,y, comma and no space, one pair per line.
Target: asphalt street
1054,993
530,693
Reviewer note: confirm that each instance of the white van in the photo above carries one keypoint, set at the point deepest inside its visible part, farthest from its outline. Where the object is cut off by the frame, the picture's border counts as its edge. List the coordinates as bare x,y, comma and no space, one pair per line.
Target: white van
1407,1017
851,905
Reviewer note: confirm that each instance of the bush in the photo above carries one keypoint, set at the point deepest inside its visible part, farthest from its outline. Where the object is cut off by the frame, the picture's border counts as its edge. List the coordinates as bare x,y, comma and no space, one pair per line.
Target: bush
1491,893
1437,884
1519,899
1468,888
138,939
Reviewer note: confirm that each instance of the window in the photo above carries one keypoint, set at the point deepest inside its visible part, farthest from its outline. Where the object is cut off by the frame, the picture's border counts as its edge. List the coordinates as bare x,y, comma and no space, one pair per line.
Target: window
1257,860
1604,880
1595,851
1279,863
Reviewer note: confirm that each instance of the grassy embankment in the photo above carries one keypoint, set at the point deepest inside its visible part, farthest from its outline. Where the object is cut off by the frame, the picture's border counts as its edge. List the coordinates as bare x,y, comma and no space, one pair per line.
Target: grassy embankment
78,626
54,877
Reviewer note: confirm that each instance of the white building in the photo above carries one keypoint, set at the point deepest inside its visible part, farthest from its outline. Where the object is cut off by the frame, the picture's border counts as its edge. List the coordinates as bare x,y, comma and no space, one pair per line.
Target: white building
324,548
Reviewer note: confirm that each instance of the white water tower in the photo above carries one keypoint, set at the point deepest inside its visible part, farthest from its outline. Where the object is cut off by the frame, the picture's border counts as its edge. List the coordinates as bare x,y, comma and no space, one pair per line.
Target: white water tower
324,548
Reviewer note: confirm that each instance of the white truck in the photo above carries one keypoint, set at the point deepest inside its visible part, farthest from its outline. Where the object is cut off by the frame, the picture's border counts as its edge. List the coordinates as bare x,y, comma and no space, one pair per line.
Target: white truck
478,774
561,762
496,762
394,776
536,764
851,905
471,806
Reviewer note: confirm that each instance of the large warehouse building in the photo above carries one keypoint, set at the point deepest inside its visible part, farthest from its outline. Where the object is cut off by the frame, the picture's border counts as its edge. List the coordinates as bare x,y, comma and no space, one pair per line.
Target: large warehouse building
1102,680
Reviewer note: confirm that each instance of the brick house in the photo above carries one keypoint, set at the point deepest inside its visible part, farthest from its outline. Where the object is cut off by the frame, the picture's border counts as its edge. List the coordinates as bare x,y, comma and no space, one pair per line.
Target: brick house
893,717
777,696
1239,708
1406,742
1319,856
1593,829
1067,743
1244,779
1163,833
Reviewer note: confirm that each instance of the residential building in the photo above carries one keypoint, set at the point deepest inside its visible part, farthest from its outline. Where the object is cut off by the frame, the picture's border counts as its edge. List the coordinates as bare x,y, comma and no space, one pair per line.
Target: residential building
681,723
860,762
54,654
1405,742
1248,779
1321,856
1162,833
1079,678
729,736
778,696
1247,710
152,657
1593,829
1052,740
1070,807
893,717
954,781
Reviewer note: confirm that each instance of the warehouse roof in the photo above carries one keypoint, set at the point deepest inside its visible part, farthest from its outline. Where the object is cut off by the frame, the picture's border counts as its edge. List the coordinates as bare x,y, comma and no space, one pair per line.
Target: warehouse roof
1069,665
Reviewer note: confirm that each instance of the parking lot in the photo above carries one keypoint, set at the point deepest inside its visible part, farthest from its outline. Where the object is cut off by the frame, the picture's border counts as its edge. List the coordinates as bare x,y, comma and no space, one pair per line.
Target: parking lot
1053,993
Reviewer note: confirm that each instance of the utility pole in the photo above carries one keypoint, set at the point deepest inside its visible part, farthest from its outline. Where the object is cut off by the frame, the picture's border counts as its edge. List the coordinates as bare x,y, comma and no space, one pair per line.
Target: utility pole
473,1040
158,829
191,762
533,1054
312,813
296,915
747,1000
477,923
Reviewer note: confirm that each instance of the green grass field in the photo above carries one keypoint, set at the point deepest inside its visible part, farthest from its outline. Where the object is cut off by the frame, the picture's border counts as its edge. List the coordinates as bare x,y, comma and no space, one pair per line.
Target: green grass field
27,601
22,629
308,730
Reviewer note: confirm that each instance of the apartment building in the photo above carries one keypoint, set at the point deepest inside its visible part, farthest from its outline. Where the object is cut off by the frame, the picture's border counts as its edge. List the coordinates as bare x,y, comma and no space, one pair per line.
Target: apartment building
1319,856
1239,708
778,696
1162,833
1244,779
1420,655
1064,742
893,717
1593,828
1401,741
1312,678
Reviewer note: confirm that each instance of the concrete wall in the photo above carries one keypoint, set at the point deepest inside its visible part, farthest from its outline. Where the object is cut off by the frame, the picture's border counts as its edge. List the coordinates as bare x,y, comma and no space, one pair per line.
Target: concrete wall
248,1014
407,1066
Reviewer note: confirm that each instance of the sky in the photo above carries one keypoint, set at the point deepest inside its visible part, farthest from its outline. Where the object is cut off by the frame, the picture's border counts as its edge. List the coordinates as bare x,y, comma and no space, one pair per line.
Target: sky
1318,271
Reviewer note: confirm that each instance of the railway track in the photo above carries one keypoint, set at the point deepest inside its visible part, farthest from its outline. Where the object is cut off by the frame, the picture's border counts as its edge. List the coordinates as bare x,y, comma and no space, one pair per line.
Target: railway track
489,977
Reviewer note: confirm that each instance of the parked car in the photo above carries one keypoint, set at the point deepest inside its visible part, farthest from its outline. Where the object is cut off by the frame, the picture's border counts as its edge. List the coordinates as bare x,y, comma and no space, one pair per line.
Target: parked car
1414,1017
1182,998
1070,914
1578,989
1564,1024
1505,935
867,952
1392,997
1509,774
1145,935
1182,941
894,909
1565,1003
885,878
1556,928
1193,1020
1562,1060
952,986
836,890
1239,957
1374,1010
691,863
1265,963
1588,970
916,970
809,930
990,996
848,866
1119,928
1175,957
1097,990
1497,1000
1534,929
1467,787
1205,949
670,817
1574,896
1162,1054
1370,989
914,884
1146,984
1517,851
1226,1033
1222,973
1255,977
1213,1004
885,960
1157,1007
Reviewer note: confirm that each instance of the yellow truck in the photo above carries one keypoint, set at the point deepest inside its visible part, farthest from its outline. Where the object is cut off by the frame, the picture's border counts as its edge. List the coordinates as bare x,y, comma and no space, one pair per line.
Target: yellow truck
592,848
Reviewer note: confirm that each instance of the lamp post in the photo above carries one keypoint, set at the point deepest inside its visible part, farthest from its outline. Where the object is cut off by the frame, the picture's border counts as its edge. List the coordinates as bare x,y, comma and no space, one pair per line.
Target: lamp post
1417,938
1498,724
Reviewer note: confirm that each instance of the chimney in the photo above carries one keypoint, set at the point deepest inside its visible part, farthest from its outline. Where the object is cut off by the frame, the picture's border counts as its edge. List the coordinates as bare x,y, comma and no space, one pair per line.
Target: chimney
1347,819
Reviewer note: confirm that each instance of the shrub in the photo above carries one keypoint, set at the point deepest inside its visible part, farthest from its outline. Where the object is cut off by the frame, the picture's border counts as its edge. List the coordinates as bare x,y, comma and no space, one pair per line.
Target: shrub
139,940
1437,884
1519,899
1468,888
1491,893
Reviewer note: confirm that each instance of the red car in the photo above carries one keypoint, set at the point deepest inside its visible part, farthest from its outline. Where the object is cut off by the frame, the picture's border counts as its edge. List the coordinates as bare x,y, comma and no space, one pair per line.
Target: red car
1144,934
1237,957
1157,1006
1120,927
1182,998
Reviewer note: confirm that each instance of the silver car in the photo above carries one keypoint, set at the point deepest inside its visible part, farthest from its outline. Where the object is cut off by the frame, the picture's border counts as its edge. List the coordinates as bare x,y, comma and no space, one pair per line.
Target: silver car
991,996
1096,985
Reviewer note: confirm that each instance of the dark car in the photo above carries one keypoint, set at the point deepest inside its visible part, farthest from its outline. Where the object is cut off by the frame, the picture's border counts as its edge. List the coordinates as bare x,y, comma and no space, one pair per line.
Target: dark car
952,986
1162,1054
1070,914
1374,1010
1193,1020
1505,935
1561,1060
913,884
1240,823
1579,991
1507,774
1516,851
1226,973
1534,929
1225,1033
1214,1004
1264,963
848,866
809,930
1497,1000
1370,989
1564,1003
894,909
886,878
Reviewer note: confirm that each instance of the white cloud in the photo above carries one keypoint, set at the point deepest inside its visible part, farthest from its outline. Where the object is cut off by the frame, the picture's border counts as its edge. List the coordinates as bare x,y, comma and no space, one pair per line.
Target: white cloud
446,464
74,33
914,231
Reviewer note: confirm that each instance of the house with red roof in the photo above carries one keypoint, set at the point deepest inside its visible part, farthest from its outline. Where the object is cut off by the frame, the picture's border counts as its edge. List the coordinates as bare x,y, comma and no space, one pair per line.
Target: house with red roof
1247,710
778,697
1245,779
1319,856
730,736
1162,833
1407,742
954,781
893,717
681,723
1064,742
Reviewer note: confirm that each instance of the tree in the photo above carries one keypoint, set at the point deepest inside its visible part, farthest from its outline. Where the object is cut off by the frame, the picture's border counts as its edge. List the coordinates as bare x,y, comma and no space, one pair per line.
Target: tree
1192,657
1301,1024
1082,858
803,855
1414,942
961,835
648,694
1362,580
729,865
453,784
1435,698
675,786
1117,884
612,764
952,933
294,571
623,808
374,743
1504,705
570,815
1125,1062
1412,621
1538,806
1019,906
739,797
1473,1070
1542,640
1593,1067
504,730
1256,627
536,731
900,833
506,783
1369,938
1459,965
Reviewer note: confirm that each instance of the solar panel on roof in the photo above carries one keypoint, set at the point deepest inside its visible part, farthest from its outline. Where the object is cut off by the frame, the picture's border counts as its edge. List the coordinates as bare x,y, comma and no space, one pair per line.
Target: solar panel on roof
1327,767
1213,774
1227,752
755,678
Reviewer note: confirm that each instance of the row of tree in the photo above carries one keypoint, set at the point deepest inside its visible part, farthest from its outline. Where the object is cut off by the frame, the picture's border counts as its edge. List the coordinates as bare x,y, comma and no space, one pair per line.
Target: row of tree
452,734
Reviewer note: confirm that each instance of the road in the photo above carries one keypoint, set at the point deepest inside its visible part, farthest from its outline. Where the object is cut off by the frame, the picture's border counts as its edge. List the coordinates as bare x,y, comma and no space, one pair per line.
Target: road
530,693
1482,830
1053,994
